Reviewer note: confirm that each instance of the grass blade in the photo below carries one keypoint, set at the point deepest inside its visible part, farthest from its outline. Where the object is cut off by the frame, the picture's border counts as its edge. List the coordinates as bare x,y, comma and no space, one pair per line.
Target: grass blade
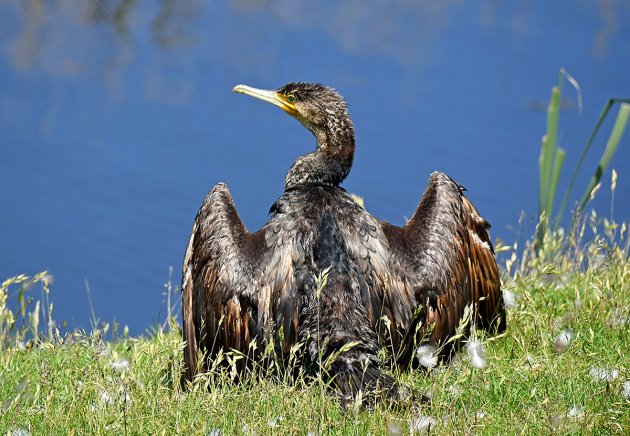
591,138
555,176
545,162
549,144
609,152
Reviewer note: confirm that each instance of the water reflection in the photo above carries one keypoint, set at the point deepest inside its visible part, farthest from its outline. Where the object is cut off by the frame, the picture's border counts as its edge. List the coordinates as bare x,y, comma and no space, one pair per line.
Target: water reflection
115,13
171,26
116,117
61,37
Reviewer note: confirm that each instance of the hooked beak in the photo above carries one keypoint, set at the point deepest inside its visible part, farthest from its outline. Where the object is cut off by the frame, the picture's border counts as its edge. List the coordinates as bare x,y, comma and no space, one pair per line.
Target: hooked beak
269,96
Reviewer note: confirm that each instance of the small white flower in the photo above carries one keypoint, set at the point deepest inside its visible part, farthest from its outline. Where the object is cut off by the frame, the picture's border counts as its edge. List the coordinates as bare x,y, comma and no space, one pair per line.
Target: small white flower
603,374
480,415
275,421
575,412
477,354
625,389
562,341
120,365
394,428
106,398
427,356
126,397
21,346
422,424
215,432
509,299
48,279
20,432
453,390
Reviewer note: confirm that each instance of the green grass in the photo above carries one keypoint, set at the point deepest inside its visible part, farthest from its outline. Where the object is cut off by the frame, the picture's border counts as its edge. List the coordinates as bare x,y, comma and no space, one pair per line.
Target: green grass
551,160
73,386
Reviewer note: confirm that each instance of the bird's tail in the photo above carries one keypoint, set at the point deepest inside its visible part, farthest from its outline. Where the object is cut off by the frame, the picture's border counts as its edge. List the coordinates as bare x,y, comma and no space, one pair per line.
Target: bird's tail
358,380
343,347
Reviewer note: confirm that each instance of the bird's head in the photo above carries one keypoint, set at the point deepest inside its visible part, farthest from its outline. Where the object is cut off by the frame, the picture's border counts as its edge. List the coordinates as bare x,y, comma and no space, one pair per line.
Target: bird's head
316,106
324,112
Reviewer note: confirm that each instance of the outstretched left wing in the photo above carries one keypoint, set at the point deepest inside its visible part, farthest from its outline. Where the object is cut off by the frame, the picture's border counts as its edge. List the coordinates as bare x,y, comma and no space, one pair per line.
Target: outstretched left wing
441,261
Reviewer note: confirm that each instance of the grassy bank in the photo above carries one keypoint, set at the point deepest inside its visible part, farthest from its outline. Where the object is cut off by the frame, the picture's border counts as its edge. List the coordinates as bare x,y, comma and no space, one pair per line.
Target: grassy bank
560,367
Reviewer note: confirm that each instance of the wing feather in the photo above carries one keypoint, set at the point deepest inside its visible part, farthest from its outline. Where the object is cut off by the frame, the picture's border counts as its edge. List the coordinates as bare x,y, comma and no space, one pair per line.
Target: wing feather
225,297
445,257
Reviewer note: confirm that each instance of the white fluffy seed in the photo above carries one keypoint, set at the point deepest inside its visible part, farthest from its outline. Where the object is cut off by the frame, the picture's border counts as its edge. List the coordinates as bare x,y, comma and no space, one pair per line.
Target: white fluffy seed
423,424
575,412
477,355
427,356
106,398
603,374
509,299
562,341
120,365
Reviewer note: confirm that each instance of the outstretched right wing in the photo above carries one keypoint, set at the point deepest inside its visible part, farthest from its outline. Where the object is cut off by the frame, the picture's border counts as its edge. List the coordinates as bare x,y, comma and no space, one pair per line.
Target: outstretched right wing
230,279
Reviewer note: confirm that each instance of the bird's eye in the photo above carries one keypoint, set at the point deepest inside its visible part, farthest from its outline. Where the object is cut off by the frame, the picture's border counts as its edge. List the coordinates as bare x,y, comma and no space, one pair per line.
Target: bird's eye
291,98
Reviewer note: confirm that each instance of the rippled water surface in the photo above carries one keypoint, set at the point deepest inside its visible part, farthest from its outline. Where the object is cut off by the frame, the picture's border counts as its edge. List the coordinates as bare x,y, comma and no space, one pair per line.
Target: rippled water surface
116,118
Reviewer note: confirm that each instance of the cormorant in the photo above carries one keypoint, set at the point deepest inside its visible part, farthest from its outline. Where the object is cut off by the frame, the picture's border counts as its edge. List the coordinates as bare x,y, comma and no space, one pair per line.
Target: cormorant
387,286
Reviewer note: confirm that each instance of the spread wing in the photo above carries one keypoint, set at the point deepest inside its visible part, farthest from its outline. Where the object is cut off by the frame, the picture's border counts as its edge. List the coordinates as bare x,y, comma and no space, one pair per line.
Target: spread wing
442,260
230,280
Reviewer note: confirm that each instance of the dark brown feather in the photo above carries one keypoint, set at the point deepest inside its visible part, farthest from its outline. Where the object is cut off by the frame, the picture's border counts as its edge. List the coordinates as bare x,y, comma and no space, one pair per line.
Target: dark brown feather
220,284
444,254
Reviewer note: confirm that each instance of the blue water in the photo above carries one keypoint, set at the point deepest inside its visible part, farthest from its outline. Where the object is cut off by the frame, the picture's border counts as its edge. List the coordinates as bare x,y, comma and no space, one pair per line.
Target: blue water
116,118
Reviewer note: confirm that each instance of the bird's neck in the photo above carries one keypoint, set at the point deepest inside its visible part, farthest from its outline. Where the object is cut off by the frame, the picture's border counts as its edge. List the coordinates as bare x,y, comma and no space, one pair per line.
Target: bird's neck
330,163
